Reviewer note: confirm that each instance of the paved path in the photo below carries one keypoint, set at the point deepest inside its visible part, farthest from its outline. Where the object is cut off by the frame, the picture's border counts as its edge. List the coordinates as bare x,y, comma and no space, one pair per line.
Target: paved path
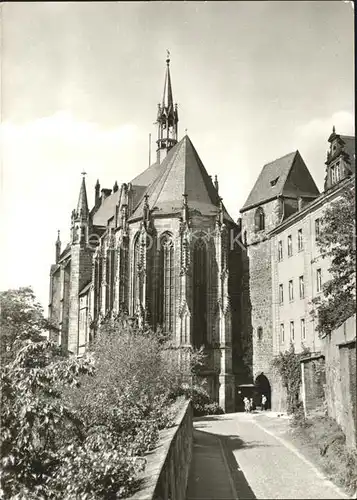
243,456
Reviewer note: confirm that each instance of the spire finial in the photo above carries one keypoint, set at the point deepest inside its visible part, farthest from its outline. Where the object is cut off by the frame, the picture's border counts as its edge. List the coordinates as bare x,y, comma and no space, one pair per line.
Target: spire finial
333,129
84,173
58,234
167,56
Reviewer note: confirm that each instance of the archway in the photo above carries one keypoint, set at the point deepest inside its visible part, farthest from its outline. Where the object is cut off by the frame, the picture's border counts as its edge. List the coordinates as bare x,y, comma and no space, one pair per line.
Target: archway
262,385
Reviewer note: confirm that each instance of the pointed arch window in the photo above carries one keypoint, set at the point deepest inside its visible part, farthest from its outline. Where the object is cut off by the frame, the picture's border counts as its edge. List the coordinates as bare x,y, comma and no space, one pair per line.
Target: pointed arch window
166,285
136,272
123,253
259,219
199,293
97,283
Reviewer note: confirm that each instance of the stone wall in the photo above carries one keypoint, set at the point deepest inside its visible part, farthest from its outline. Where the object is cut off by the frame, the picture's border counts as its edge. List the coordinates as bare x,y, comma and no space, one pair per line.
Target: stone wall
313,383
258,306
339,349
166,473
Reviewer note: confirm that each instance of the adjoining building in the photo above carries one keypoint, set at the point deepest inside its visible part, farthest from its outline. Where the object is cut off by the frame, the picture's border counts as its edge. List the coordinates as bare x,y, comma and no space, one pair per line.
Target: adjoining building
280,222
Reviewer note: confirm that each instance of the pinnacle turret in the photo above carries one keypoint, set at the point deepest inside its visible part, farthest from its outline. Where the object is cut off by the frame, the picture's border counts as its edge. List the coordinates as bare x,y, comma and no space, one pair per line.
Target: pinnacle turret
167,117
82,206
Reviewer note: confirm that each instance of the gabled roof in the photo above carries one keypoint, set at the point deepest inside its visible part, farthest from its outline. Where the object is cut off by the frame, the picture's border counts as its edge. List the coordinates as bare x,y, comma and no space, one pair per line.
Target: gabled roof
106,209
287,176
181,172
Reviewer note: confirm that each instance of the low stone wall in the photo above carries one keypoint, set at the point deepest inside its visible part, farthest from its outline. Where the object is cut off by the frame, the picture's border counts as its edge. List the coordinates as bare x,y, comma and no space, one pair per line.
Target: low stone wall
166,473
339,349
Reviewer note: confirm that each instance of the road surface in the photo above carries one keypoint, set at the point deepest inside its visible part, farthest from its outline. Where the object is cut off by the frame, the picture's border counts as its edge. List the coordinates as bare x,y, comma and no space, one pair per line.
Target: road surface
244,456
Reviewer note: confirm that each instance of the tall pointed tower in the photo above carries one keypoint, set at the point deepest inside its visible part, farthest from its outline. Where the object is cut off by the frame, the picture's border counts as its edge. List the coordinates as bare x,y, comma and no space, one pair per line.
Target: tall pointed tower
167,118
81,264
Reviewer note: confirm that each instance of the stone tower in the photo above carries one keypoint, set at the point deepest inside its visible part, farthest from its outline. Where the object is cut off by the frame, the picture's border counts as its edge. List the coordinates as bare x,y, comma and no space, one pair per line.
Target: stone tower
275,196
81,263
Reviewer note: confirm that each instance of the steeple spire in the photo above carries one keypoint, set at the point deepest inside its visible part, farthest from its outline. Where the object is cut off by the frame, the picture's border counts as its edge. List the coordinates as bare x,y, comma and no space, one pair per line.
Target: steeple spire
167,101
82,206
167,117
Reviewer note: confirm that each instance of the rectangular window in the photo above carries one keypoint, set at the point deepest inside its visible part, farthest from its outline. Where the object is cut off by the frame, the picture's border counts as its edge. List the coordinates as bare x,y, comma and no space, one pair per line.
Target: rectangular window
290,246
318,280
301,287
282,333
300,241
291,290
333,175
280,250
292,332
302,329
281,294
337,171
317,227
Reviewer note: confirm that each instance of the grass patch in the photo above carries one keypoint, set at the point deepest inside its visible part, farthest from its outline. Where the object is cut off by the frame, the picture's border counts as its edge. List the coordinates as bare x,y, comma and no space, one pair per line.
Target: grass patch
337,460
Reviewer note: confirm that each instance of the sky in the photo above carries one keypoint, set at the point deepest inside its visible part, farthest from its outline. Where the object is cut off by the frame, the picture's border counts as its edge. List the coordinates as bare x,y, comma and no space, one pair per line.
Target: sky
80,84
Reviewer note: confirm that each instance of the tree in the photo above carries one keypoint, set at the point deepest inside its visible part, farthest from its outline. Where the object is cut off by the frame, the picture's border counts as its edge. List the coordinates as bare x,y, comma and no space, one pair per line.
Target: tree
337,241
21,319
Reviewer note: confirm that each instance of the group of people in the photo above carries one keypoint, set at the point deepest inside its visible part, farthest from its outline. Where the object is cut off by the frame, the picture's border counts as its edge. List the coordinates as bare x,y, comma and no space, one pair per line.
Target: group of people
249,403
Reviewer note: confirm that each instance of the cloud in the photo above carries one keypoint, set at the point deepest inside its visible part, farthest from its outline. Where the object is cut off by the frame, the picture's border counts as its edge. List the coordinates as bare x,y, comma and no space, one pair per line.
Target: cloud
41,164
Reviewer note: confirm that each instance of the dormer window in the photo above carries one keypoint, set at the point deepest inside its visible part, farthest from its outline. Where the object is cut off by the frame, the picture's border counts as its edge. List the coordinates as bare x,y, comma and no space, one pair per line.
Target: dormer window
274,181
259,219
335,173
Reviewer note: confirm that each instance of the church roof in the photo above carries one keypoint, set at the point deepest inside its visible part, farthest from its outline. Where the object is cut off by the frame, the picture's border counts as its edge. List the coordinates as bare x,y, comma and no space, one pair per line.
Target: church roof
106,209
287,176
146,177
181,172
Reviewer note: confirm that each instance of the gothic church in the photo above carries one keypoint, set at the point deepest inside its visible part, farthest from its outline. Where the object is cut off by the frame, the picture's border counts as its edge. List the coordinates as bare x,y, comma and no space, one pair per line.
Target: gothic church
161,248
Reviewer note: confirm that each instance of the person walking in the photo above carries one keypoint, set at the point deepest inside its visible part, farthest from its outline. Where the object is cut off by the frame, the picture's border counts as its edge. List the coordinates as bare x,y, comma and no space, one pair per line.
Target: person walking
264,401
246,404
251,404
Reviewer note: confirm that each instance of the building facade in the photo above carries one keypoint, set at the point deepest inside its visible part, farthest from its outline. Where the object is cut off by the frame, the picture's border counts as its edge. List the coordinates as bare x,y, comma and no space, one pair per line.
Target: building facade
280,222
160,249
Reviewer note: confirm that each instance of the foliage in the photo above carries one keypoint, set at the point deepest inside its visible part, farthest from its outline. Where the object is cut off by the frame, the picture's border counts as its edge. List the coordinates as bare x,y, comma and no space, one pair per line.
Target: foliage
288,366
78,428
202,403
33,416
338,461
337,242
21,319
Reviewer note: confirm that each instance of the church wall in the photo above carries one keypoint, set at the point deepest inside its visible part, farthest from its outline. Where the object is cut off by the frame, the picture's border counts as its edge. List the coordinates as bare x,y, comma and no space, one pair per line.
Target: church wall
65,303
55,301
81,273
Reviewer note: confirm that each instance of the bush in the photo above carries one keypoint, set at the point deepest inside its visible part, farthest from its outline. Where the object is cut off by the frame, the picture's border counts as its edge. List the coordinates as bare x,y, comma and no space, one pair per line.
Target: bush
80,428
202,403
